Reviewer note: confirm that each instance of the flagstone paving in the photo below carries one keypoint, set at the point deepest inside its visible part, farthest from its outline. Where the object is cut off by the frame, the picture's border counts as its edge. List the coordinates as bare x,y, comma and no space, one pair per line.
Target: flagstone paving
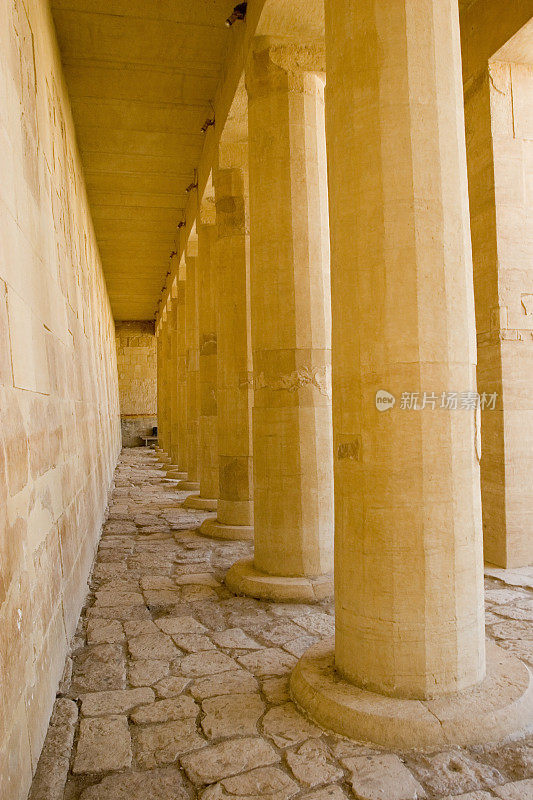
177,689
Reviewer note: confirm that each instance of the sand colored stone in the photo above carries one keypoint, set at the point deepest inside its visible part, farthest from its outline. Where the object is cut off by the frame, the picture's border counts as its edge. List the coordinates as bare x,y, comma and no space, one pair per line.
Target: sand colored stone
292,445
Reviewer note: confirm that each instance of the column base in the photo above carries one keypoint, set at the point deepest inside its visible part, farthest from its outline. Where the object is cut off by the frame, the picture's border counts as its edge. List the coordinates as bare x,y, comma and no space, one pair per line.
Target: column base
217,530
500,707
200,503
176,474
188,486
244,578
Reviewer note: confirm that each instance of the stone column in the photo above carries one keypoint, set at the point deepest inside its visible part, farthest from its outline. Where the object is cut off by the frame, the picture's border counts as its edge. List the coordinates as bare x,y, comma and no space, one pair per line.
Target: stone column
178,392
163,416
208,456
290,312
192,381
174,471
234,358
408,549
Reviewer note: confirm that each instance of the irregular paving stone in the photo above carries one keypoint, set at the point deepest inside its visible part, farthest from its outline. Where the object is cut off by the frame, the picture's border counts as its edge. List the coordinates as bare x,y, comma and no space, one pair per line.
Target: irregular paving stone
120,612
520,790
269,661
285,726
166,710
118,597
157,582
199,578
382,777
139,627
117,702
263,783
454,772
193,642
515,759
298,646
98,668
276,690
162,743
192,594
471,796
171,686
228,758
162,597
206,663
52,770
235,638
104,744
236,682
311,764
231,715
326,793
155,646
146,672
157,784
104,630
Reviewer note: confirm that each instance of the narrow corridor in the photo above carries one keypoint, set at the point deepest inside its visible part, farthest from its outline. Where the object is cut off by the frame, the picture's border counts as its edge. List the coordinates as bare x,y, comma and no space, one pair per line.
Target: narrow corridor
176,688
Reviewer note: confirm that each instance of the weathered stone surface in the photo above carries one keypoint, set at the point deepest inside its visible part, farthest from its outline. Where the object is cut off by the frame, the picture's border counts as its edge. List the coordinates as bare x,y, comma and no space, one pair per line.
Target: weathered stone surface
326,793
104,631
454,772
52,769
520,790
139,627
235,638
193,642
228,758
234,682
104,744
146,672
118,597
263,783
180,625
276,690
231,715
155,646
171,686
311,764
162,744
382,777
286,726
117,702
208,663
98,668
157,784
269,661
166,710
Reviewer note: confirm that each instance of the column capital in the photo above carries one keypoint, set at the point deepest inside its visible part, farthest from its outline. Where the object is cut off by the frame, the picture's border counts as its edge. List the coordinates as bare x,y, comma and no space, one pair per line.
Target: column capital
281,65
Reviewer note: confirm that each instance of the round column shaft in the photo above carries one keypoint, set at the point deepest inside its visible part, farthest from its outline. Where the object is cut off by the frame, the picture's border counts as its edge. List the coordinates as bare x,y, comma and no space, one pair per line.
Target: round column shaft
408,548
234,361
290,313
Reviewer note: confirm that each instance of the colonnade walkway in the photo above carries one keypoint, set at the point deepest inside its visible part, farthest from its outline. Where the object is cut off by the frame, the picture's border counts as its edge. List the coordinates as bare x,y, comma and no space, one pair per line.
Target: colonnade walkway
175,688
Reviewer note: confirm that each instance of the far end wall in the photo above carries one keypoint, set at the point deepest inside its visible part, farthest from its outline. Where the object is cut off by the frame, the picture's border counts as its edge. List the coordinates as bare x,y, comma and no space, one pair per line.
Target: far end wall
137,380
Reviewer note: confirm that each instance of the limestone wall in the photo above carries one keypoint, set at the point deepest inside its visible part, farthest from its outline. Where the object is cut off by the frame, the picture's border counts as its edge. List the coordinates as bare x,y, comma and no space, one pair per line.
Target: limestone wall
59,417
137,379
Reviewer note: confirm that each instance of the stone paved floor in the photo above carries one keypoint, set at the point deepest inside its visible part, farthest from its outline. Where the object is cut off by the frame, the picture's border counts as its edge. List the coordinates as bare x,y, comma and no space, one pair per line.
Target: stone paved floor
177,689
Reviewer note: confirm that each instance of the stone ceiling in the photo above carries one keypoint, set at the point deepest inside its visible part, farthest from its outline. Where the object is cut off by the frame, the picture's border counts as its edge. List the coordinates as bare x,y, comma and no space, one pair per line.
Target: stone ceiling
141,75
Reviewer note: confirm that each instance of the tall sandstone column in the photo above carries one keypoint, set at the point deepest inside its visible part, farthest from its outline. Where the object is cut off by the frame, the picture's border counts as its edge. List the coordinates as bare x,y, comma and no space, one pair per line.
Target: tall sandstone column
172,387
207,342
163,412
408,546
191,339
234,352
290,312
179,375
